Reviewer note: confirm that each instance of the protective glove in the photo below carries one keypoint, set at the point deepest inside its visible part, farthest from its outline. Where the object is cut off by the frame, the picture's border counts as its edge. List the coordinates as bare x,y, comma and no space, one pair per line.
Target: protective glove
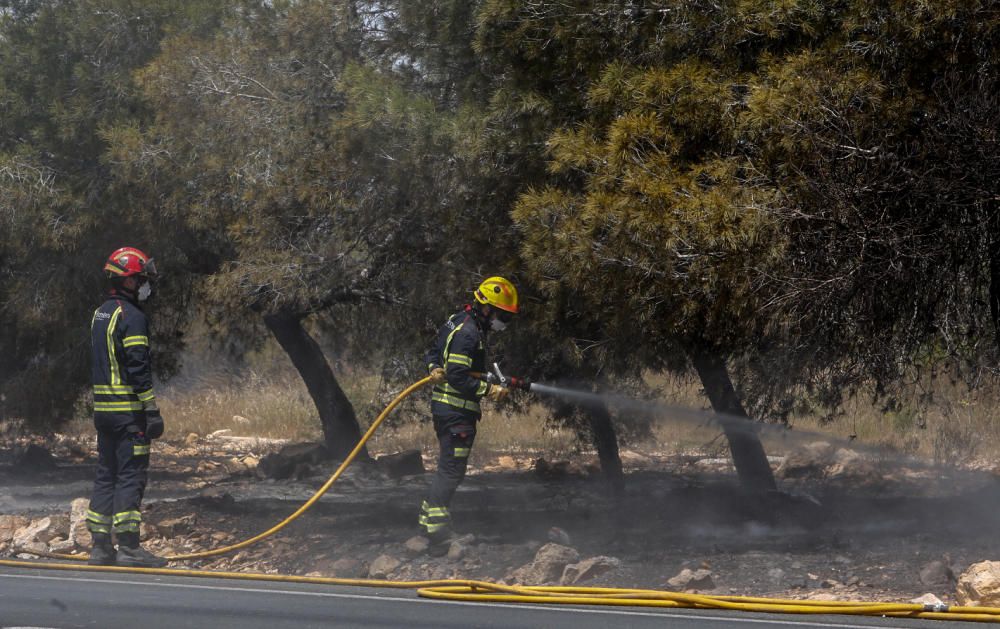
497,393
154,425
438,375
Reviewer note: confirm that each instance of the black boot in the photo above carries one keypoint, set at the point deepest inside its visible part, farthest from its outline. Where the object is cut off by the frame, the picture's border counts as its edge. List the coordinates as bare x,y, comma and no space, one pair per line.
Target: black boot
102,552
132,555
440,541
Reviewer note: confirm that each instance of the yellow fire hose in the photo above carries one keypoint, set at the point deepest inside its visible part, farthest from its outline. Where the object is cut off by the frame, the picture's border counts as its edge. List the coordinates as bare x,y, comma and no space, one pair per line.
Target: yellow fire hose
484,591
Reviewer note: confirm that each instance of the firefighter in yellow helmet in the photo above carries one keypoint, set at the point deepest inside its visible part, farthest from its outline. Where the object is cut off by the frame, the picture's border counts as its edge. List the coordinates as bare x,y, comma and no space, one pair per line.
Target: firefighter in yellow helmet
457,365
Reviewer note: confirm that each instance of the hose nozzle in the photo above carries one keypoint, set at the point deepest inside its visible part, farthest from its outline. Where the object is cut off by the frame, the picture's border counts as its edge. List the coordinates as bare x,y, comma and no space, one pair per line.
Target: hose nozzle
520,383
511,382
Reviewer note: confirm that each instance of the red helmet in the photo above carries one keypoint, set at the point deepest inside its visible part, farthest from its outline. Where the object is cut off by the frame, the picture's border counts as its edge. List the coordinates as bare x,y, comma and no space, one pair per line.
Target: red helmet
129,261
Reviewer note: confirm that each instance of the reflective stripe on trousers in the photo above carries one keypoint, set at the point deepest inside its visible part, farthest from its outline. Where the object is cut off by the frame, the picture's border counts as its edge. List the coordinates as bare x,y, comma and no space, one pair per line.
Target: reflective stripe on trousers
433,519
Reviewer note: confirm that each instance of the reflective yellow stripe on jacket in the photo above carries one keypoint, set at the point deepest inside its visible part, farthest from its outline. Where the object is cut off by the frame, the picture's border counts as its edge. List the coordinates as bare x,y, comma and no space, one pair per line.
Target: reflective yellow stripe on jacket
116,398
113,389
132,341
113,367
117,407
460,359
451,400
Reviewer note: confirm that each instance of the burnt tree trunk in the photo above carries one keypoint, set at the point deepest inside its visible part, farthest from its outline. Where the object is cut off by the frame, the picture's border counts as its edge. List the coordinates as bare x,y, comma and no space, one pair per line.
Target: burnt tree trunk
602,434
606,441
994,256
7,365
336,413
744,443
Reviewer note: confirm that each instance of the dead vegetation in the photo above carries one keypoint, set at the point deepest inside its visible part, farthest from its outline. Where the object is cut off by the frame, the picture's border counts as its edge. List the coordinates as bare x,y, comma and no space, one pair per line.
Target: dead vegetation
958,427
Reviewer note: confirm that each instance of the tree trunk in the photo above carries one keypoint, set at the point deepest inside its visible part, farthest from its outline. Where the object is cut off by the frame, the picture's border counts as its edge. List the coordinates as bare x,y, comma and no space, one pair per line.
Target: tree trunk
606,441
994,255
744,443
336,413
7,371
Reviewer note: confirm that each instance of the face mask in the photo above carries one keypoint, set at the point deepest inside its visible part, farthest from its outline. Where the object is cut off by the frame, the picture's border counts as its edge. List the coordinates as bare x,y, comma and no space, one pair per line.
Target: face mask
497,325
145,290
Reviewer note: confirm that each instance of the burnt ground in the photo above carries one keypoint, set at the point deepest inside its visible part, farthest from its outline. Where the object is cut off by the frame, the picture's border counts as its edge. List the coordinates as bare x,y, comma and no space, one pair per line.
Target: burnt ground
869,538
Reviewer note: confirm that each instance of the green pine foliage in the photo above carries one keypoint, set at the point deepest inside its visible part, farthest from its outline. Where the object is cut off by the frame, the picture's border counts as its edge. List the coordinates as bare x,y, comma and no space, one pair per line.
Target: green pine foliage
65,80
759,179
806,188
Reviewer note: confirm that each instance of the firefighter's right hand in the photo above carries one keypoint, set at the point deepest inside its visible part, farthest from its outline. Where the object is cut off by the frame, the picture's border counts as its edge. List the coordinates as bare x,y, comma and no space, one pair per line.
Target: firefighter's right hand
437,375
497,393
154,425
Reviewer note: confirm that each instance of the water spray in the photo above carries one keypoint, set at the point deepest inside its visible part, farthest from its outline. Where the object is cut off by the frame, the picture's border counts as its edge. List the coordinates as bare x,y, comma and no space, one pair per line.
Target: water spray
777,433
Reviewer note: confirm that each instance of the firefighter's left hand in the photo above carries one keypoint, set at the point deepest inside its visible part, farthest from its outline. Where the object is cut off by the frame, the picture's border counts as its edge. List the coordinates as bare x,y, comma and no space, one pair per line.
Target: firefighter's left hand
154,425
497,393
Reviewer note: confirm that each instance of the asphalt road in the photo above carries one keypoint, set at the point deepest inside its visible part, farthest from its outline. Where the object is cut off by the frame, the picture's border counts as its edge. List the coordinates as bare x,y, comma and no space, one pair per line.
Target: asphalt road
46,598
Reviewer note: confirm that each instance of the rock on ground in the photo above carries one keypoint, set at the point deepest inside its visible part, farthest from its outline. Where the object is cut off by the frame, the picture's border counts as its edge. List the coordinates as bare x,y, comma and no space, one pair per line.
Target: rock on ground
547,567
383,566
9,524
79,535
400,464
282,464
937,573
979,586
928,599
588,569
417,544
41,531
688,579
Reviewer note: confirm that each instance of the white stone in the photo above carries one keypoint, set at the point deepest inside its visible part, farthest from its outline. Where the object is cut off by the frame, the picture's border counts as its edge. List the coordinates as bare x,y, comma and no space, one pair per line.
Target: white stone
78,533
927,599
688,579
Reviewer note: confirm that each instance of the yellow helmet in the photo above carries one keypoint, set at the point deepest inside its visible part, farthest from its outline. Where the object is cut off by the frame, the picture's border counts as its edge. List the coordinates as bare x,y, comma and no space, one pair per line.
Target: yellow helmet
499,293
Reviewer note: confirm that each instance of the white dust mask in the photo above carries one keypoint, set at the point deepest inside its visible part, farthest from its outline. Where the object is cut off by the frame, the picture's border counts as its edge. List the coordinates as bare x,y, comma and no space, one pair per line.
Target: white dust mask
145,290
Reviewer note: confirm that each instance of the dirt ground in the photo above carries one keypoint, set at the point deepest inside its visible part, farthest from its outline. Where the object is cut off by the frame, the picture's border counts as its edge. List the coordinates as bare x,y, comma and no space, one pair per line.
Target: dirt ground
885,534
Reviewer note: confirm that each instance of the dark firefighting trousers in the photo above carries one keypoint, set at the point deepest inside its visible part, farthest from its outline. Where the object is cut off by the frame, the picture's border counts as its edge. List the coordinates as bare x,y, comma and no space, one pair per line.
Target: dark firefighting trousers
455,434
122,466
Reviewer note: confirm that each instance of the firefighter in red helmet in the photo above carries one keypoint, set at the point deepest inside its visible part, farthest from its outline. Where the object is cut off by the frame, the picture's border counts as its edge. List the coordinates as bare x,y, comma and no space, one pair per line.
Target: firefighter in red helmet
125,412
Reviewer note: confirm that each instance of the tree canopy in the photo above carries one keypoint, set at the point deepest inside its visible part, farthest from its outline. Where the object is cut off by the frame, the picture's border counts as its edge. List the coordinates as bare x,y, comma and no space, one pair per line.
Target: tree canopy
799,195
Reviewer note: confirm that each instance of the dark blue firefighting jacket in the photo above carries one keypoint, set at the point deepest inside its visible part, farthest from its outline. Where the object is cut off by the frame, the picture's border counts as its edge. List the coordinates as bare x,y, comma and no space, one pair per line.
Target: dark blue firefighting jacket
459,348
121,370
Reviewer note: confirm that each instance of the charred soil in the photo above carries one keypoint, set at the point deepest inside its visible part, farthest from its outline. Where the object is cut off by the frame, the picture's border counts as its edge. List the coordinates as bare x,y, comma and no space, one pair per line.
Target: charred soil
890,535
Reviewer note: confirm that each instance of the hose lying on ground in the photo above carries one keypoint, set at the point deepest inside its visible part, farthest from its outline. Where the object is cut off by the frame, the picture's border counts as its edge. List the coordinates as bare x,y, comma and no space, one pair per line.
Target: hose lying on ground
484,591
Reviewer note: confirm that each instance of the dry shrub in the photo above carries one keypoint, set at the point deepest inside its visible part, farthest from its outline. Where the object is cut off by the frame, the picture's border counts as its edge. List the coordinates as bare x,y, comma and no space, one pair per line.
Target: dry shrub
278,406
956,427
254,405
